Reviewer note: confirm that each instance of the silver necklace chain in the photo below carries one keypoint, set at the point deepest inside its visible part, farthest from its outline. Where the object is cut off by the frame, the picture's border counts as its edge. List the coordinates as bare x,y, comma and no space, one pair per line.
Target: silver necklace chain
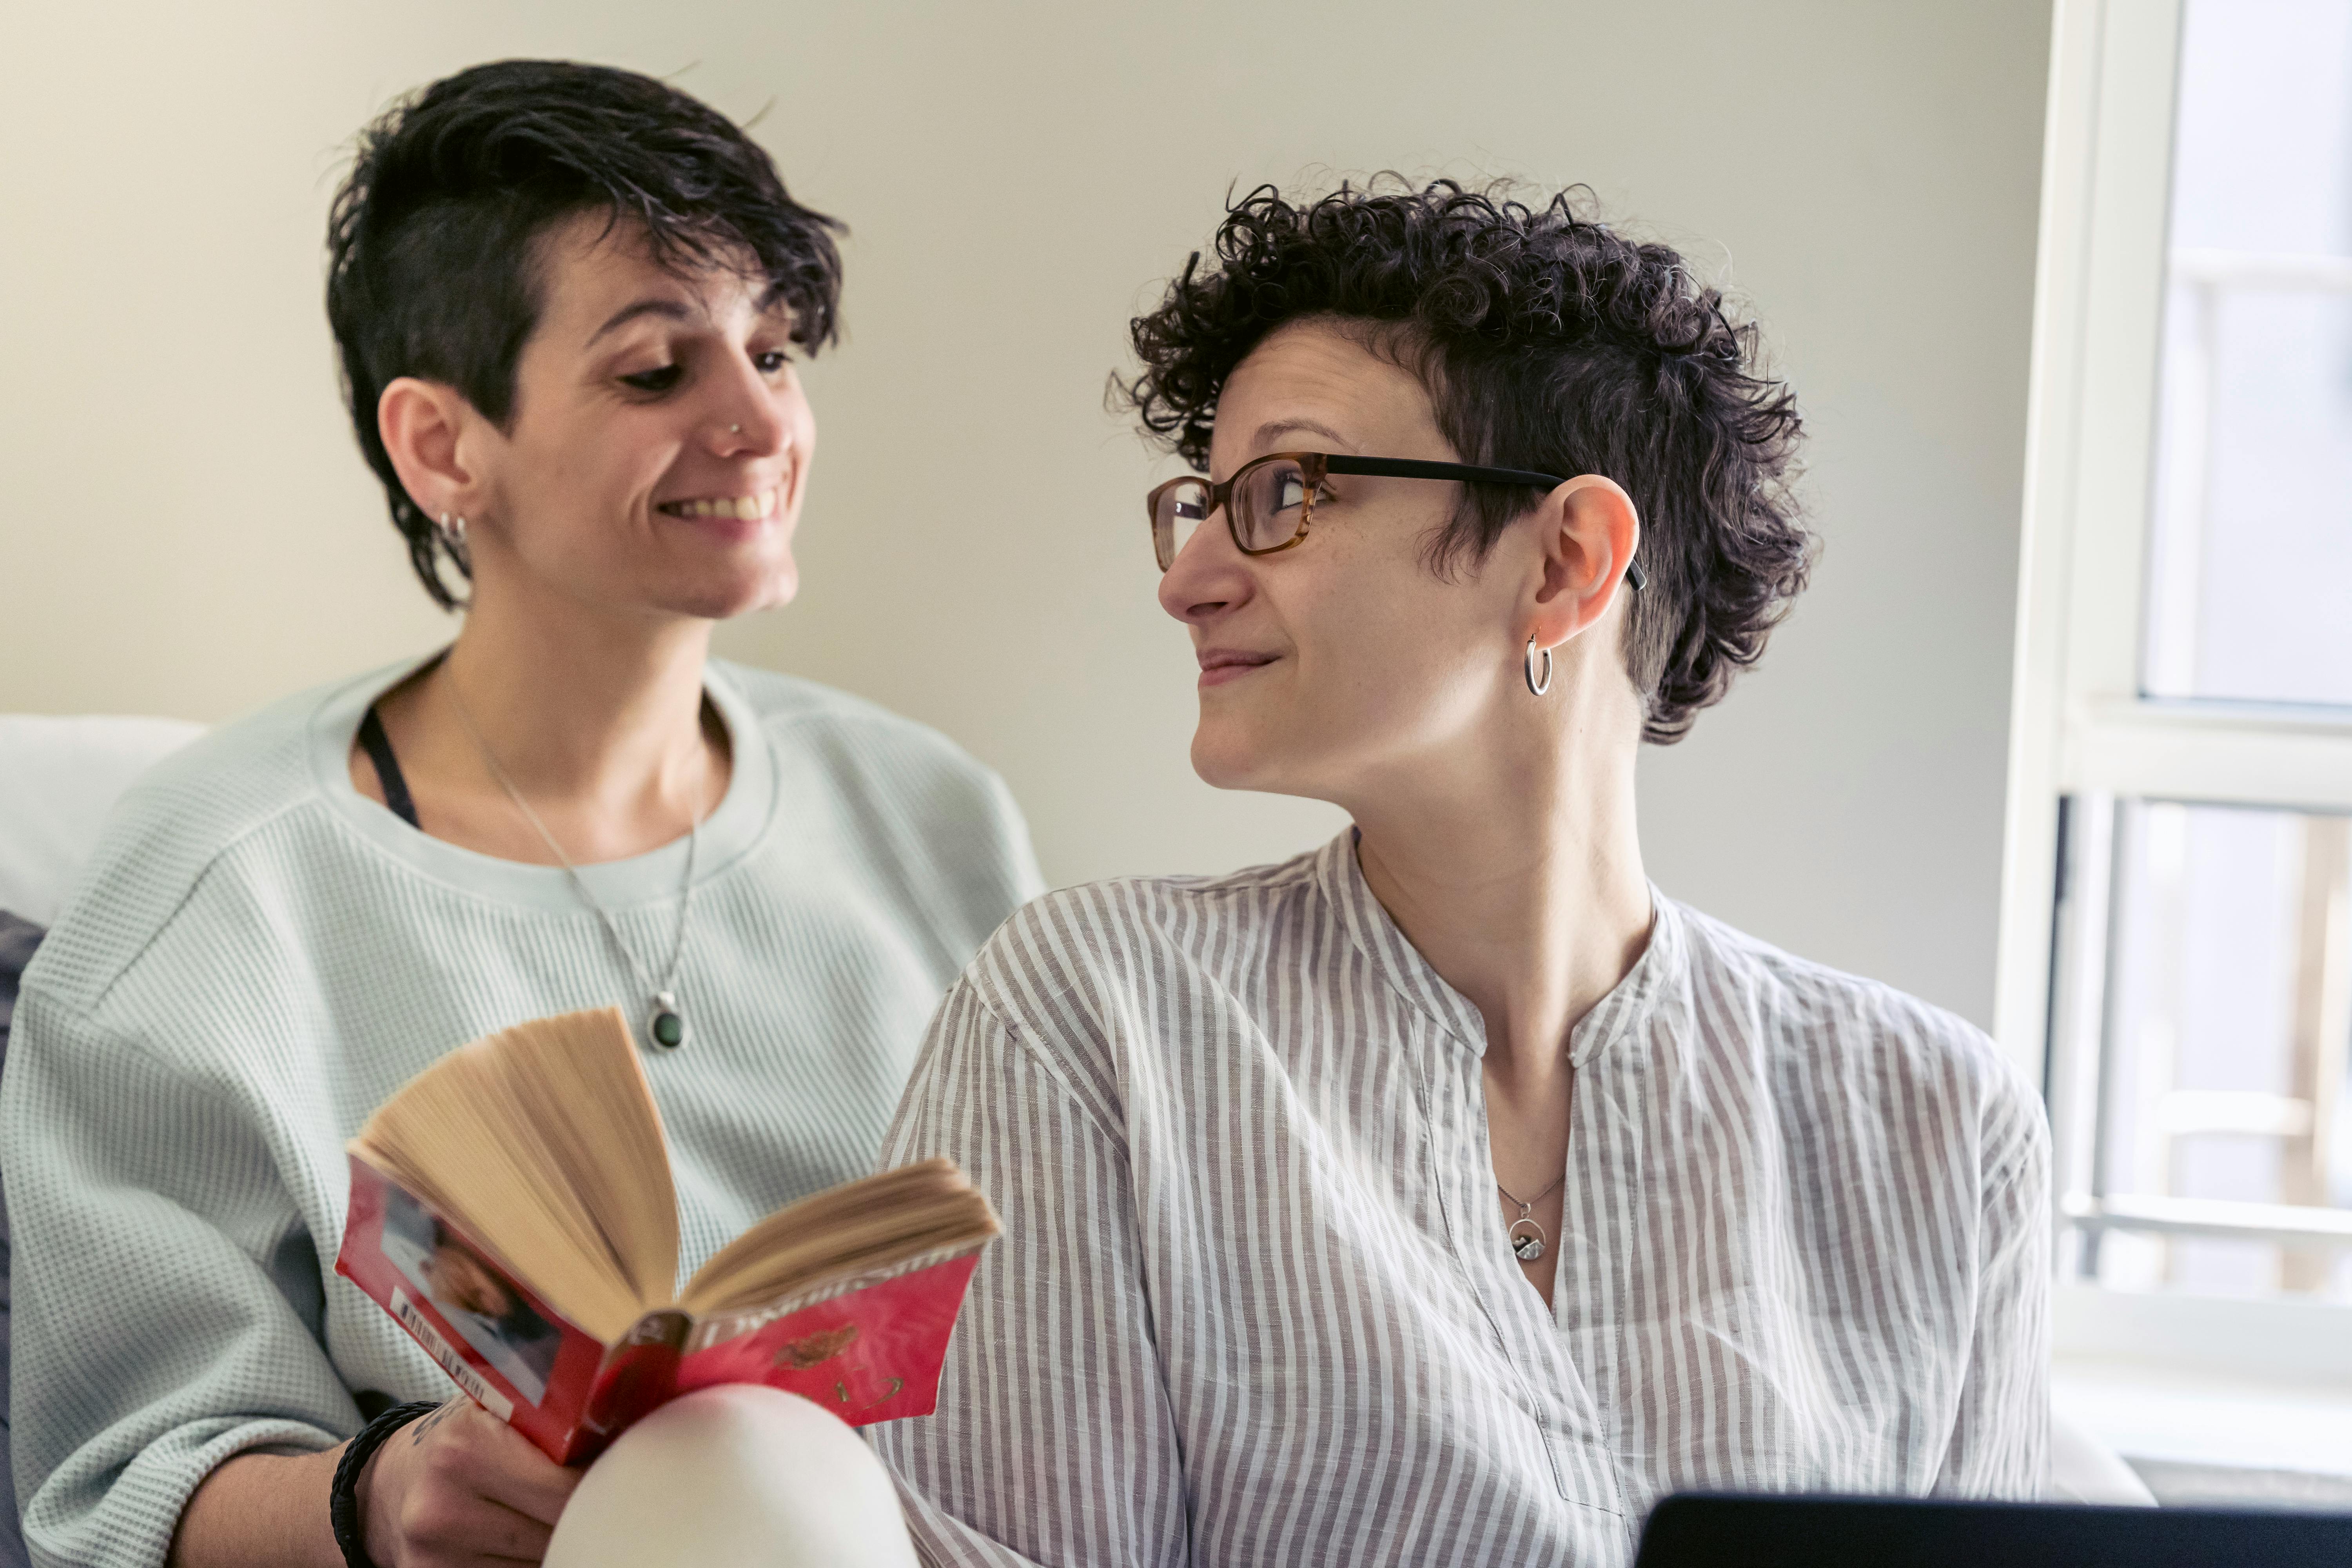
1525,1204
666,1022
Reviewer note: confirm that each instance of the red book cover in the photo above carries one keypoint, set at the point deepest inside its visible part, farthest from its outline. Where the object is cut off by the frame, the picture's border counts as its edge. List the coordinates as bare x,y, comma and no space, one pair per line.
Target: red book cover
869,1348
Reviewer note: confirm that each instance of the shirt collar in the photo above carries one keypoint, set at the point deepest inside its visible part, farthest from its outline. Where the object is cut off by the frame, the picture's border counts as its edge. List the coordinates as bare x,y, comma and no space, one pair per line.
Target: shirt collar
1649,988
735,827
1652,991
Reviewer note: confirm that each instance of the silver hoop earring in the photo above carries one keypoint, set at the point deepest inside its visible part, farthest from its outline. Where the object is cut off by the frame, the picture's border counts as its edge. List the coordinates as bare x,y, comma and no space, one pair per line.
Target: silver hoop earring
450,534
1535,687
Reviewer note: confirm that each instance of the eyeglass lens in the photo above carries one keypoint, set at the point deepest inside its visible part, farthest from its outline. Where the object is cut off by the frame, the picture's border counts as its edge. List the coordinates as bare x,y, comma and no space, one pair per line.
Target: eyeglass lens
1176,511
1269,507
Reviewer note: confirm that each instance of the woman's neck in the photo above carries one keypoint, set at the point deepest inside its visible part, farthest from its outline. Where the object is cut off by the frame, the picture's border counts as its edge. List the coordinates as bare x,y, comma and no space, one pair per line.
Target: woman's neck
1514,867
597,721
581,711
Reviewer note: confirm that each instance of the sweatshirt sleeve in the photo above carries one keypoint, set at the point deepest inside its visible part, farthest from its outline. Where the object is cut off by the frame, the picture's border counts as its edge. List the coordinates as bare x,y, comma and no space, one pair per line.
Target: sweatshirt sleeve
167,1296
1054,1443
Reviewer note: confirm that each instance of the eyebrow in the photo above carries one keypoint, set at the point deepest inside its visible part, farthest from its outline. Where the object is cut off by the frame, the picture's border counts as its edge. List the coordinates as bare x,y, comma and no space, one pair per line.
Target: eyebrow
1273,427
771,303
674,309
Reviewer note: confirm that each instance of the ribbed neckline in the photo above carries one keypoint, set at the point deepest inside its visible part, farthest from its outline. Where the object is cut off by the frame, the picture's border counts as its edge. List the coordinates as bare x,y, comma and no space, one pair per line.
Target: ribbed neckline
731,831
1629,1006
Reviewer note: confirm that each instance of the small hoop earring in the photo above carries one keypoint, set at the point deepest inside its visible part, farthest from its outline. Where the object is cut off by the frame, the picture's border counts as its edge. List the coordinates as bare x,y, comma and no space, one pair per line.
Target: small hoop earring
1538,688
450,534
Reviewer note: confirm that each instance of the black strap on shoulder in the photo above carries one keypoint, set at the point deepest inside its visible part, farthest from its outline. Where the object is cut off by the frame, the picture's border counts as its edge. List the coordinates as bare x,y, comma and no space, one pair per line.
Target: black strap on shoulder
378,747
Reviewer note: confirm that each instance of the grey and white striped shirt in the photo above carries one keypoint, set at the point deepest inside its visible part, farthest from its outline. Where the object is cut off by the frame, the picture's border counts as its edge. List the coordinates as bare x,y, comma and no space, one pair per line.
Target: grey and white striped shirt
1256,1306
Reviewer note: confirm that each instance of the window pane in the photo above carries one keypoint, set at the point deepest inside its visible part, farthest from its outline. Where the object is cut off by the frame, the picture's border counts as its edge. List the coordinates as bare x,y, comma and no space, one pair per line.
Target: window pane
2228,1039
2250,580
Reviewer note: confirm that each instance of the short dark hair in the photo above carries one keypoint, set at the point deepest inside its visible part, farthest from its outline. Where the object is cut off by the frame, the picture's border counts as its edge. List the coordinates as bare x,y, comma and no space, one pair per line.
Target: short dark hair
1548,341
433,265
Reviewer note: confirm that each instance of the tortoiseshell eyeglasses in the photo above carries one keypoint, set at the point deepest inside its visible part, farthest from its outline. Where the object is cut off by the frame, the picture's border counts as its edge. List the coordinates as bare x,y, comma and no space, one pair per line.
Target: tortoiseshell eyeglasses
1269,504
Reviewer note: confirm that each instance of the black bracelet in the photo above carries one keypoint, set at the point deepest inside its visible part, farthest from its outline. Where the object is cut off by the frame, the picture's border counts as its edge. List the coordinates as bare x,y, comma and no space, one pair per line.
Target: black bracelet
342,1499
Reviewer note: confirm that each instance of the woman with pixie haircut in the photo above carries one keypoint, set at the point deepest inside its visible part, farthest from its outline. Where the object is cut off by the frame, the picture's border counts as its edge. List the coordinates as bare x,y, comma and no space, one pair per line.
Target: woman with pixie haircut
1449,1194
568,300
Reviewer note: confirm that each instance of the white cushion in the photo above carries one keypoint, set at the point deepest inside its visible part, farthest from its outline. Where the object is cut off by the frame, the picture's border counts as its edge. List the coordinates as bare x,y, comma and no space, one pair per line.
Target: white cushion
735,1476
58,778
2084,1470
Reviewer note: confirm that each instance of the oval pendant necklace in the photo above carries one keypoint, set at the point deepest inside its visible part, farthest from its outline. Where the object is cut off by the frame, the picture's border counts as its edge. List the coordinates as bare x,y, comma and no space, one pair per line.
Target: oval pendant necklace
1527,1248
665,1025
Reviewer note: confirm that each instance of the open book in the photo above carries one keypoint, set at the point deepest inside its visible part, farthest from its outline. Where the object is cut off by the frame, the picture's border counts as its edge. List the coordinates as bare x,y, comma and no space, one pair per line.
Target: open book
512,1209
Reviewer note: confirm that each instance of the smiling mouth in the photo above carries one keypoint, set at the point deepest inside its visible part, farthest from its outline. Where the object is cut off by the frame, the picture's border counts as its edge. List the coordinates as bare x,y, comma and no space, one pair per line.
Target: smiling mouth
1221,665
753,507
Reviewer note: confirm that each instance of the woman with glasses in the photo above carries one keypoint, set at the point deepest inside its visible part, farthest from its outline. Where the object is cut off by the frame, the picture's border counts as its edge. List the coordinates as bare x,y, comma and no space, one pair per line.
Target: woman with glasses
567,302
1448,1194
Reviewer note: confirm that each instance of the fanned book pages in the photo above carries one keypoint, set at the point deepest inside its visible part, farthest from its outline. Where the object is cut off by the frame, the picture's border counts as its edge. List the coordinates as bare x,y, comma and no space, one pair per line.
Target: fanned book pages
512,1209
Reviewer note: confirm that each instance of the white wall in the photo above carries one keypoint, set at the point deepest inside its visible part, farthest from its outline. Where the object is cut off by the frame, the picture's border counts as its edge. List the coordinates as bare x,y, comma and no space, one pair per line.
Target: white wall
186,529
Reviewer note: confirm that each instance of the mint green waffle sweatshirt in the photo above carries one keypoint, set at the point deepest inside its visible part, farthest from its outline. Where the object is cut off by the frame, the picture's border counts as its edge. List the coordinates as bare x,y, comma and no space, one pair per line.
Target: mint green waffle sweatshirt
260,955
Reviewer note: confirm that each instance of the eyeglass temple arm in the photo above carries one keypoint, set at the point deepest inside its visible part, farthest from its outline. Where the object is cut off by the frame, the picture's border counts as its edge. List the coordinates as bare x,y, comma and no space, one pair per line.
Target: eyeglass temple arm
1414,469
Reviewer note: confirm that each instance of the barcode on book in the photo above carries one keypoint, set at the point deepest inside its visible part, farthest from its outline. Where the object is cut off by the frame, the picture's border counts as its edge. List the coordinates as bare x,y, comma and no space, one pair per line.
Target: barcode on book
421,1326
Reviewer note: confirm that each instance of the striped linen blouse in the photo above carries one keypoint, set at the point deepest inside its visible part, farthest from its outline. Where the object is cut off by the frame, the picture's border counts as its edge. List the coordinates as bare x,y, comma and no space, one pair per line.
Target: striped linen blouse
1255,1305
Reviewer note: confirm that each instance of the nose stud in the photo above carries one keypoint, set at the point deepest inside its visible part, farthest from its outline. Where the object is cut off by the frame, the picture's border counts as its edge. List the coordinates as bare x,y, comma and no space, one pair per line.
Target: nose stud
735,430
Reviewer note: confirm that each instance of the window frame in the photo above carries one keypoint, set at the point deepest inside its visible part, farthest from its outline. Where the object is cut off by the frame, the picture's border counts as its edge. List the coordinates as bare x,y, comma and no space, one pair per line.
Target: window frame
2081,731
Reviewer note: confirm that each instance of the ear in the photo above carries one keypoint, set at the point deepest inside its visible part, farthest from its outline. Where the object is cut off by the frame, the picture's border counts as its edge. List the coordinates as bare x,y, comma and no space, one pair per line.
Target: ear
433,435
1587,531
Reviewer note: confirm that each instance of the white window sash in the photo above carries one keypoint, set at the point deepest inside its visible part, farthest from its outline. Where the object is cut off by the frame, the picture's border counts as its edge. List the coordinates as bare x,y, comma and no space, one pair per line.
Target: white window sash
2080,726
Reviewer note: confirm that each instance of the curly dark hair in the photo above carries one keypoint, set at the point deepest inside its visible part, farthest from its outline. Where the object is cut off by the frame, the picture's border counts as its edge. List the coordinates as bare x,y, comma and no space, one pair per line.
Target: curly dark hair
432,266
1548,341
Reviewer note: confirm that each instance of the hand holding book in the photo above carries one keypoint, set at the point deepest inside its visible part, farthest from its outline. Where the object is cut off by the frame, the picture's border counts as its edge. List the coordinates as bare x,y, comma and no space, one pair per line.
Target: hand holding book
460,1486
512,1209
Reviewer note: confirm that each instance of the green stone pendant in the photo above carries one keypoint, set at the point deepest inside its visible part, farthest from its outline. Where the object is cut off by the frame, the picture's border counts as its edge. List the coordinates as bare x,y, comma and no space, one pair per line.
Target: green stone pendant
667,1026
